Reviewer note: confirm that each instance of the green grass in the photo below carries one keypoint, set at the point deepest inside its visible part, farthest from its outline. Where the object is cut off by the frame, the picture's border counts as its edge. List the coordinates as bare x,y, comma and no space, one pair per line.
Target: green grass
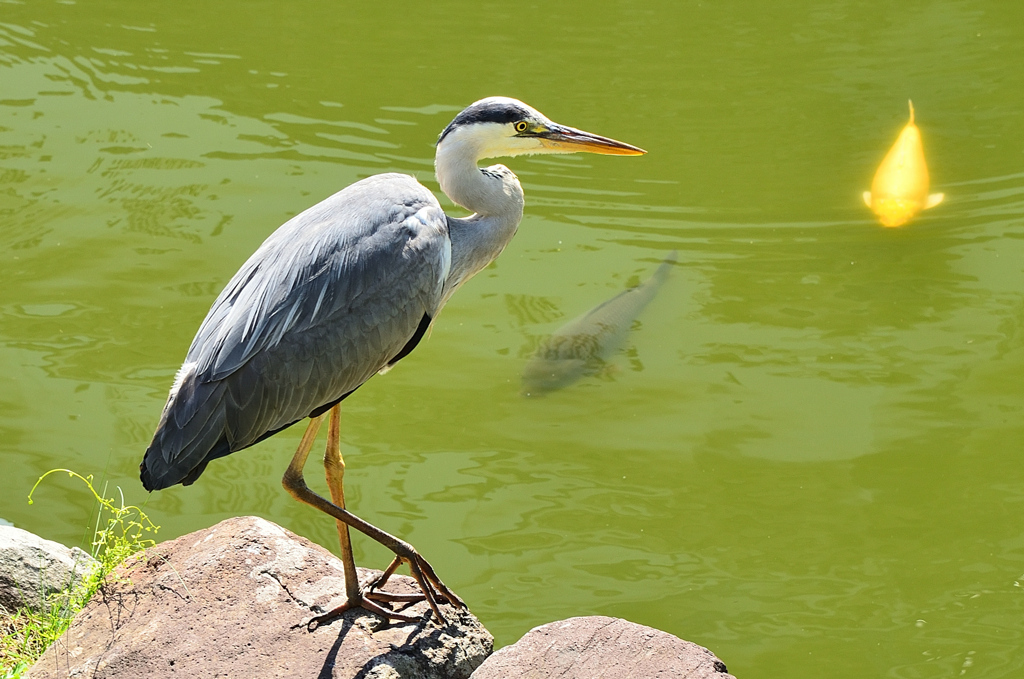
119,532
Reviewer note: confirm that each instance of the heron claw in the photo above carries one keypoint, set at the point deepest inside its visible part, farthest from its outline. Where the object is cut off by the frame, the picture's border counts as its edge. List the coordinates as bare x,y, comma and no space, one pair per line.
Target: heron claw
394,597
432,589
366,604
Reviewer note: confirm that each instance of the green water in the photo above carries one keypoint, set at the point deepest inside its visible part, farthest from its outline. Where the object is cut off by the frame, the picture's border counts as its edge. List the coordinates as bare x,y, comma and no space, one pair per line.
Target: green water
808,455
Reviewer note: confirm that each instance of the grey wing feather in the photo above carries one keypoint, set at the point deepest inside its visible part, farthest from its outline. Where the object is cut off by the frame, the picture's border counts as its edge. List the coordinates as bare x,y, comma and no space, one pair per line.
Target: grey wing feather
327,301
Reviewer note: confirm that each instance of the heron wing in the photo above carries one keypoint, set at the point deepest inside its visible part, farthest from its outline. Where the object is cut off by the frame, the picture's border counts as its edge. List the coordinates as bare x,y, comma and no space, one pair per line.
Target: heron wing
330,298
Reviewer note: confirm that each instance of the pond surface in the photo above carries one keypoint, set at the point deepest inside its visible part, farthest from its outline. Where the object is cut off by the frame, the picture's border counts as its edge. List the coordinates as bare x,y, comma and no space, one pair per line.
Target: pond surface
806,457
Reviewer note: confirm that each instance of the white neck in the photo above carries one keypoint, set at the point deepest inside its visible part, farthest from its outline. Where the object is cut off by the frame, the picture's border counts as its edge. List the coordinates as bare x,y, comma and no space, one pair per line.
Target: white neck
482,191
493,194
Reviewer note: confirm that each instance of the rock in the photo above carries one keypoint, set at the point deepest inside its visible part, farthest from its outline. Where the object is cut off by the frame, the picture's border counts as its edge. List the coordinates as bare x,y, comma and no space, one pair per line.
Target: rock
32,568
232,601
597,646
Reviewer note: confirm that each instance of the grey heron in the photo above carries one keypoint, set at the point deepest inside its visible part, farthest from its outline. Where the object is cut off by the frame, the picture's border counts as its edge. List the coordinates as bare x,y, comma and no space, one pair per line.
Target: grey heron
338,293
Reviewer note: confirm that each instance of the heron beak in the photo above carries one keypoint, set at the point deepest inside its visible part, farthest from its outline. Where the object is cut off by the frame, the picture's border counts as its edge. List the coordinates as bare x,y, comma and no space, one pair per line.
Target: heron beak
562,139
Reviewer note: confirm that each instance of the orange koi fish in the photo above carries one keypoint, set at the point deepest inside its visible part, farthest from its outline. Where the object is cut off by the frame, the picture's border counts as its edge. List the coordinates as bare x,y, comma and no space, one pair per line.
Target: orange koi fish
900,187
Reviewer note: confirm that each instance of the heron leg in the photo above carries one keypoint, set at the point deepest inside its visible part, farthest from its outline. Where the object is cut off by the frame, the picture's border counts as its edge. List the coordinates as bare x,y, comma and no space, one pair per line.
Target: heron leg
334,466
294,482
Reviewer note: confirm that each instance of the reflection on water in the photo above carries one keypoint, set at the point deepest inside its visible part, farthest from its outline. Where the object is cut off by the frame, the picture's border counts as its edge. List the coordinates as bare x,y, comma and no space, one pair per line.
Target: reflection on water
826,461
579,347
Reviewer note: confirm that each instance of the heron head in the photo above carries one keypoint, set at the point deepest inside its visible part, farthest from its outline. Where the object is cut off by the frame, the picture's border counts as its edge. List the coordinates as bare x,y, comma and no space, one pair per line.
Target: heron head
500,126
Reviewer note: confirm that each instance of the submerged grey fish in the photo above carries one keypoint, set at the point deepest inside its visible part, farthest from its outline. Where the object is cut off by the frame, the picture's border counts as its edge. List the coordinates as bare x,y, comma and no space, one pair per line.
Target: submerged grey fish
577,348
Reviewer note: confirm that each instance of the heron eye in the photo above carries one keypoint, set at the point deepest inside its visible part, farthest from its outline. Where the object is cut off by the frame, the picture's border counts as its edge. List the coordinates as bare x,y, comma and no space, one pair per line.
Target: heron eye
521,126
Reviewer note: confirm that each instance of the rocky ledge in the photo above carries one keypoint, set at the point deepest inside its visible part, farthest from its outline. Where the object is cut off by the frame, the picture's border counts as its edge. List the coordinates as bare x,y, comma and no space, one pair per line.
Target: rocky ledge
597,646
233,601
32,569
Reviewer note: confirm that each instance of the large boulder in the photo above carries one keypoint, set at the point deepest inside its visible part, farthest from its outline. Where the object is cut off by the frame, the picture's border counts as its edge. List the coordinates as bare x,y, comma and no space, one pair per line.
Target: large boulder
32,568
233,601
598,646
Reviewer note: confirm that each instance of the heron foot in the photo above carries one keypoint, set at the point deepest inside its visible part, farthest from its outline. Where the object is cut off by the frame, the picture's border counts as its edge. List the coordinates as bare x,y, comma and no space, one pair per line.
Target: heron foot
375,600
431,588
364,601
